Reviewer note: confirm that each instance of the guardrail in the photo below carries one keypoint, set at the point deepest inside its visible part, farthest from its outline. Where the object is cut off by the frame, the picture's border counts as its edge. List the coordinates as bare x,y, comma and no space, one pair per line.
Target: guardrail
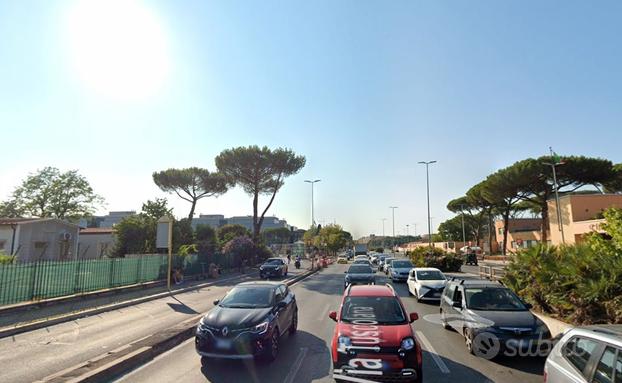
491,272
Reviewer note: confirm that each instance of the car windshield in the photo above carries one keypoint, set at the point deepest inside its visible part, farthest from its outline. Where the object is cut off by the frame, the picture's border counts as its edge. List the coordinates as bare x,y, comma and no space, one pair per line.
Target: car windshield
401,264
363,261
493,299
360,270
274,261
248,297
383,310
430,275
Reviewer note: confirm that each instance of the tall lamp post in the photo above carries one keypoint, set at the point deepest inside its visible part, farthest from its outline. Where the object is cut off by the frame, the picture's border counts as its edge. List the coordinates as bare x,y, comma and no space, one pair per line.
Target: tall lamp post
393,217
312,207
427,178
383,239
557,161
463,231
407,226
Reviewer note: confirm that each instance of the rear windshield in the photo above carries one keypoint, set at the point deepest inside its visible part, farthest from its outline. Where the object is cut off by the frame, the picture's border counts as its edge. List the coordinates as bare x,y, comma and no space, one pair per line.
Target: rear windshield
401,264
360,270
430,275
493,299
383,310
274,261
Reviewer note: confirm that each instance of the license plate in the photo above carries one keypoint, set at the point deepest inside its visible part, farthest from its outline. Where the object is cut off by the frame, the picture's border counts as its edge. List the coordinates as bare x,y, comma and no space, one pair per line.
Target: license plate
223,344
436,294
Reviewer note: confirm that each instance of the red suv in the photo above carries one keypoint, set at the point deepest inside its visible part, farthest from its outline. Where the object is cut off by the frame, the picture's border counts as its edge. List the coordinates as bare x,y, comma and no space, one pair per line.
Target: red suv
373,340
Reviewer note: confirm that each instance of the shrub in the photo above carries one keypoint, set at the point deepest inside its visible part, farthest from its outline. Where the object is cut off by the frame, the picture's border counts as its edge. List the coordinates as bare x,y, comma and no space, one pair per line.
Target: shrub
6,259
581,284
422,257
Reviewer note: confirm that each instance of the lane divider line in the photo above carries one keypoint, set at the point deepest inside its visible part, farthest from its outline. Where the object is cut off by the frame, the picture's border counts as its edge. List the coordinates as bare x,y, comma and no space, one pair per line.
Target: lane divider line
296,366
437,359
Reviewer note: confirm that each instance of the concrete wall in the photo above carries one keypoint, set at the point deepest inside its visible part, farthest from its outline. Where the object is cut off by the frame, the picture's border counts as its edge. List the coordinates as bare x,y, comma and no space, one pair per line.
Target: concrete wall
96,245
522,233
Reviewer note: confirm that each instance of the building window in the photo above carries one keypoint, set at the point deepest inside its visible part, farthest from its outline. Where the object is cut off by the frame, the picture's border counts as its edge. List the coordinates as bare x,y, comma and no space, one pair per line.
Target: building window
500,231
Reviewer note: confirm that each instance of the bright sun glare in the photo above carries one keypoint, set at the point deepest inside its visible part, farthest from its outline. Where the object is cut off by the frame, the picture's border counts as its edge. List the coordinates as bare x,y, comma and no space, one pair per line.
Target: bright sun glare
118,47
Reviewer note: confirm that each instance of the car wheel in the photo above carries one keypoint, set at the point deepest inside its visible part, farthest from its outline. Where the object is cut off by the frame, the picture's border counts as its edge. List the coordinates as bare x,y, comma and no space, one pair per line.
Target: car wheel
468,340
294,326
273,346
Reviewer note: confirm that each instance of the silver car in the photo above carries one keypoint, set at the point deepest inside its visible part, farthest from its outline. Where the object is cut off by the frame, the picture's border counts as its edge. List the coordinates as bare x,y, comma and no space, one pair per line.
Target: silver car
585,355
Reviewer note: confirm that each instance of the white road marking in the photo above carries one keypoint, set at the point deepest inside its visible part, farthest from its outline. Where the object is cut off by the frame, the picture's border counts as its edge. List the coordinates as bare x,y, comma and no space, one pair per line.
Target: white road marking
296,366
324,313
437,359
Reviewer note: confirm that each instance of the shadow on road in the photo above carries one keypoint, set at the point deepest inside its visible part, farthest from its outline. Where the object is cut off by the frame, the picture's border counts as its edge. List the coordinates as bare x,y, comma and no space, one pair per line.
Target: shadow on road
531,365
181,307
303,358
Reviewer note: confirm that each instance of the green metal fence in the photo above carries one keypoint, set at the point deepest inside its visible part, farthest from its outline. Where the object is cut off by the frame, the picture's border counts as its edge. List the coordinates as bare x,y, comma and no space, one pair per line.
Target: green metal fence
48,279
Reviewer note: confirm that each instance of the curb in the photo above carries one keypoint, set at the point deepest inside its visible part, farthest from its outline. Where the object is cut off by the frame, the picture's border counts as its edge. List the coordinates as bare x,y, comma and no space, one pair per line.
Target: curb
14,330
115,363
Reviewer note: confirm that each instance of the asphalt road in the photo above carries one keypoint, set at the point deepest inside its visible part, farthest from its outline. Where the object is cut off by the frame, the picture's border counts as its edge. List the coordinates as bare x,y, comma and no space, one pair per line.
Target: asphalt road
34,355
305,356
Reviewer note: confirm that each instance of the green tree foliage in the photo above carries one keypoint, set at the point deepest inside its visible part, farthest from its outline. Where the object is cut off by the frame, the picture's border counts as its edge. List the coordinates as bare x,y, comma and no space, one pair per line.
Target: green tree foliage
206,241
156,209
259,171
451,229
241,250
190,184
227,232
277,235
50,193
11,209
581,284
331,237
475,210
615,184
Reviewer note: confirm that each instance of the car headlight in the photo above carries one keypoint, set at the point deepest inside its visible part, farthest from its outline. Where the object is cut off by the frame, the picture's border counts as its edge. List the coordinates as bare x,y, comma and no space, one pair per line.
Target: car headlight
408,343
393,272
261,328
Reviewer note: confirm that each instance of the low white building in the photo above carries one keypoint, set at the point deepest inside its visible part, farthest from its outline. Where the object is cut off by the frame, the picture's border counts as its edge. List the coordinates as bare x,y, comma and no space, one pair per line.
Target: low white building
96,242
36,239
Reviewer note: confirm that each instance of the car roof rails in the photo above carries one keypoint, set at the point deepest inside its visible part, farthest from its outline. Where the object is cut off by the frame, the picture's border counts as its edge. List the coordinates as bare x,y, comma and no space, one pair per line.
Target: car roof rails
391,288
348,289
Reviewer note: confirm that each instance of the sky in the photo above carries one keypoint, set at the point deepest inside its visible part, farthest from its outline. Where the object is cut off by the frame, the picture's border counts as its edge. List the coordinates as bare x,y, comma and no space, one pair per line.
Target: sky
118,89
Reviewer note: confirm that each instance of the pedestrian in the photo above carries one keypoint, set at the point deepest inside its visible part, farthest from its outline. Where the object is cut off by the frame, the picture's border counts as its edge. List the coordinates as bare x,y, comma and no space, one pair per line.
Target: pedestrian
289,259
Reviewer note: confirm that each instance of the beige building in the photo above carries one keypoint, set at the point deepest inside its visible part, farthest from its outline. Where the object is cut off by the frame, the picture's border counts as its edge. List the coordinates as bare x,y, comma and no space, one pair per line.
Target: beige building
96,242
522,233
35,239
581,214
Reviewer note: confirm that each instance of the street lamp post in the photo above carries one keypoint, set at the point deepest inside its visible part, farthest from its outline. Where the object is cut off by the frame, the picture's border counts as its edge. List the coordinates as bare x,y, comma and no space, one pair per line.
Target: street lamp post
393,213
427,177
312,202
557,161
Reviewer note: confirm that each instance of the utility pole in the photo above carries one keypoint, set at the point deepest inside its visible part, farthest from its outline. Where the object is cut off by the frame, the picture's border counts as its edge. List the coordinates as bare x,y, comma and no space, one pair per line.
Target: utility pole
312,203
393,212
407,225
427,177
557,161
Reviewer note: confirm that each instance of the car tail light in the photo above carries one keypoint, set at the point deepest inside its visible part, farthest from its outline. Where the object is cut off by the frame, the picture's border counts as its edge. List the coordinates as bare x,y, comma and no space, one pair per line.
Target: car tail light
545,376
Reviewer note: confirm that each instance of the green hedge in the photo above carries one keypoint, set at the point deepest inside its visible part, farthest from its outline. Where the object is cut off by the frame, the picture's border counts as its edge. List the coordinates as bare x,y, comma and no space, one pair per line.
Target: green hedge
581,284
448,262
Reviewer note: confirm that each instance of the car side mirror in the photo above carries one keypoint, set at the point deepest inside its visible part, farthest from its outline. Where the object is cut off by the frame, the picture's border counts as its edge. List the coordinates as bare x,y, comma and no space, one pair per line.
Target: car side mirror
413,317
333,315
457,304
216,302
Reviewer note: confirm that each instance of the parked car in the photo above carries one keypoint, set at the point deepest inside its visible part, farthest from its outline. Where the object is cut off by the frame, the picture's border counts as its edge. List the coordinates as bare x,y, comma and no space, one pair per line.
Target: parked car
342,260
273,267
359,274
399,270
585,355
470,259
426,283
248,322
383,325
478,308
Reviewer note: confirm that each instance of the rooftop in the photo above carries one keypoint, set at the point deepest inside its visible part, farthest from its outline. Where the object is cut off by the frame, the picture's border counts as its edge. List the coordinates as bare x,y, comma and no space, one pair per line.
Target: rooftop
371,291
97,230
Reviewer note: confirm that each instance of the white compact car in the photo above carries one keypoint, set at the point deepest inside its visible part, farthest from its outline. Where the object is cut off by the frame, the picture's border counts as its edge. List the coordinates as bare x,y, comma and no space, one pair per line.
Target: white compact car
426,283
